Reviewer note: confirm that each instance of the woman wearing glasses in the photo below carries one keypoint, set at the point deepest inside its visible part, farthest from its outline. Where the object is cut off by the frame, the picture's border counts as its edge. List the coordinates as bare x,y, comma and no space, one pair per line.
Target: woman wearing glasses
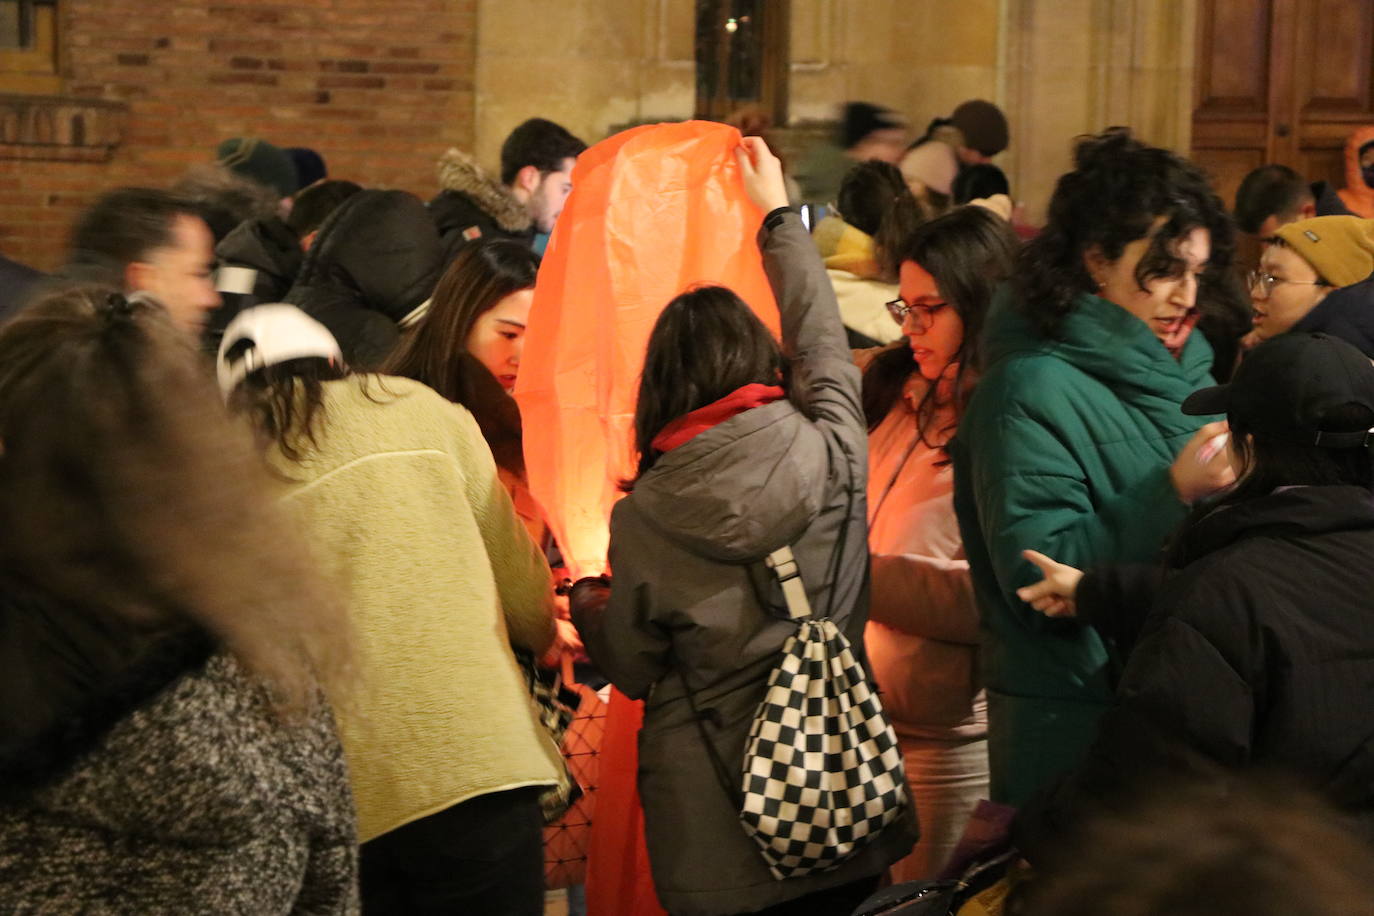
1070,440
1315,276
922,635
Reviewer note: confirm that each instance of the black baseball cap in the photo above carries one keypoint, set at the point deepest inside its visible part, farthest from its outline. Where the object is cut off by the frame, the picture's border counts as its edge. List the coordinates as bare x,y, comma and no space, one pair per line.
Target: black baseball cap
1287,387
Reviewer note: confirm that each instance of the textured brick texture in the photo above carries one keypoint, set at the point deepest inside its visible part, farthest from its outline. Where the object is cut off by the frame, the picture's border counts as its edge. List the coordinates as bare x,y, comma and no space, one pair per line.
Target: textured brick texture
379,87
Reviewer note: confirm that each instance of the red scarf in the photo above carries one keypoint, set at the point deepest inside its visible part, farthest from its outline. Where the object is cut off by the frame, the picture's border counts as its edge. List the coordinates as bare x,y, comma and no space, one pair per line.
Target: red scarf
686,427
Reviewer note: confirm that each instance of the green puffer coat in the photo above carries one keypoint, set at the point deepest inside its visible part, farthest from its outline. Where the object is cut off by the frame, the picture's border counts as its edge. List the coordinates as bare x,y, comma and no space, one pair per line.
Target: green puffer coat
1065,448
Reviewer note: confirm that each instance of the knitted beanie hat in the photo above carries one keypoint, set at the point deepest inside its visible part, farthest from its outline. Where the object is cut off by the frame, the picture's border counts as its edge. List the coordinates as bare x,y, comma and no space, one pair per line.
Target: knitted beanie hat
309,164
261,161
983,125
1339,248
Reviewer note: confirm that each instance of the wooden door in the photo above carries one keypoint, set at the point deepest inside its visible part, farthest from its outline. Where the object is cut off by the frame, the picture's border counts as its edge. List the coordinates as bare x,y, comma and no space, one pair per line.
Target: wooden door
1281,81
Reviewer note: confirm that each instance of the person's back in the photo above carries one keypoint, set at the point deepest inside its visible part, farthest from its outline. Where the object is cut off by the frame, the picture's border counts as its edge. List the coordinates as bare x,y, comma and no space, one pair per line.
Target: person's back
401,500
218,807
165,746
691,619
374,260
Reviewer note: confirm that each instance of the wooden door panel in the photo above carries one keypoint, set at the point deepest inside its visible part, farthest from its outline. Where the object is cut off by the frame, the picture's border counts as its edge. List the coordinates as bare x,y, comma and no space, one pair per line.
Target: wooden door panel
1328,164
1233,58
1226,168
1333,58
1281,81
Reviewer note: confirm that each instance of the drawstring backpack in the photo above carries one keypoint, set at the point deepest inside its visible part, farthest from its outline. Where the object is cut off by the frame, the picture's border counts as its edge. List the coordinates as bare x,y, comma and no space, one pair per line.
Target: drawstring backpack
822,773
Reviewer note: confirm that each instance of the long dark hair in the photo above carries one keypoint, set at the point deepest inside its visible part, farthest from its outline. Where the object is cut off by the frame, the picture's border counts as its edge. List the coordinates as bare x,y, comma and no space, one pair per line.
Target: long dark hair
435,352
705,344
128,495
1118,190
969,251
285,402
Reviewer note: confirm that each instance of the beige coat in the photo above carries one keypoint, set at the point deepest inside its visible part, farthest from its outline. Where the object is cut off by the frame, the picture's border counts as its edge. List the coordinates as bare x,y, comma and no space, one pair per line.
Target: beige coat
402,502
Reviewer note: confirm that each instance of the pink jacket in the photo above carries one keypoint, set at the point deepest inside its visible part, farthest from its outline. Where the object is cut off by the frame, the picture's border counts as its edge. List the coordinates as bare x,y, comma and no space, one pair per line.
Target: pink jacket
922,636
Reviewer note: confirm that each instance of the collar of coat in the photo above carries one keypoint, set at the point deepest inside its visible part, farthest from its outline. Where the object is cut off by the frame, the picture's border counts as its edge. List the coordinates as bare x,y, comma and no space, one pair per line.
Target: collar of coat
1289,512
458,171
1109,344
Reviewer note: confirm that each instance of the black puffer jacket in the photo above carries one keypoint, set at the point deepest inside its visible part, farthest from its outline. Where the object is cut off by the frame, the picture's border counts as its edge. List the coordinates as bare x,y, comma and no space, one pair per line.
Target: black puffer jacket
1347,313
376,258
145,773
473,205
268,246
1259,654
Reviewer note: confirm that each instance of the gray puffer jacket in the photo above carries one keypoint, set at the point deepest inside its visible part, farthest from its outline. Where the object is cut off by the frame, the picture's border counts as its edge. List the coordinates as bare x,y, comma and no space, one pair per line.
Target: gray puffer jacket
686,550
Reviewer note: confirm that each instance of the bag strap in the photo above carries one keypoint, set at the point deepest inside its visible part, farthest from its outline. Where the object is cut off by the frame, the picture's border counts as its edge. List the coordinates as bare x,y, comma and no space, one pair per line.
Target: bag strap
784,566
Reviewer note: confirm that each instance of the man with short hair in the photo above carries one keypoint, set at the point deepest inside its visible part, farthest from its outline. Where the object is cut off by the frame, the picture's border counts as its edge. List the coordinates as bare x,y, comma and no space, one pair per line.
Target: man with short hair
149,241
1270,197
536,178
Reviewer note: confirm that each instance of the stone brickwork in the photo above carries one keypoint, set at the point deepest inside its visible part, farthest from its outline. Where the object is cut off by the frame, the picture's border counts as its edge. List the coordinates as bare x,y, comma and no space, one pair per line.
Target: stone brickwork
379,87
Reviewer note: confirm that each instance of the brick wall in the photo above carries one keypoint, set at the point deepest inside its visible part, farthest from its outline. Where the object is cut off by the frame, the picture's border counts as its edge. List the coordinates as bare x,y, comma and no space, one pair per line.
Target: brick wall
379,87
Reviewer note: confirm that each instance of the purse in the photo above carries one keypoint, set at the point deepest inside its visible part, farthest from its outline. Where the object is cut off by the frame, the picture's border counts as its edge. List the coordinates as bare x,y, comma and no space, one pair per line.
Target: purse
554,705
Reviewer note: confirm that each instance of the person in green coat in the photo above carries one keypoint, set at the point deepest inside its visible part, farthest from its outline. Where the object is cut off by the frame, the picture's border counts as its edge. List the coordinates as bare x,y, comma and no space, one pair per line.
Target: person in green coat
1074,442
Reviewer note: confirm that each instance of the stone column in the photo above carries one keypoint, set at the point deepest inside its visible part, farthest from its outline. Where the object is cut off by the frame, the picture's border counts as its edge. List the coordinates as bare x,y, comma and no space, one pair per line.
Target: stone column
1072,67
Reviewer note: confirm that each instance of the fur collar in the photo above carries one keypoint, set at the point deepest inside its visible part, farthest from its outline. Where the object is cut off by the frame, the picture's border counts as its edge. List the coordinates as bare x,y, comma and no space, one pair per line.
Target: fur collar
460,172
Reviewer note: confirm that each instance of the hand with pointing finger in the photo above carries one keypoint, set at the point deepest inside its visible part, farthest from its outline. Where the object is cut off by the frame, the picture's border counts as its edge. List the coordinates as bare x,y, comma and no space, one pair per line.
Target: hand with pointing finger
1053,596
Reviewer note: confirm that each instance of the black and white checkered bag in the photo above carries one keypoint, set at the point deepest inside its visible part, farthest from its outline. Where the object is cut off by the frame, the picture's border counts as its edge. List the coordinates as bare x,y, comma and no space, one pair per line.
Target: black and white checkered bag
822,769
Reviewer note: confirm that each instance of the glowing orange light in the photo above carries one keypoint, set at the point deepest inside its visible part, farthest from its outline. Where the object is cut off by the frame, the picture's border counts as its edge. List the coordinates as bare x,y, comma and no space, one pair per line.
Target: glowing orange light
654,211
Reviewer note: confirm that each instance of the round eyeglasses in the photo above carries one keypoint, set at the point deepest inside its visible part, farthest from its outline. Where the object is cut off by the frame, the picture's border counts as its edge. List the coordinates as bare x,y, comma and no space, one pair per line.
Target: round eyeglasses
1265,283
924,315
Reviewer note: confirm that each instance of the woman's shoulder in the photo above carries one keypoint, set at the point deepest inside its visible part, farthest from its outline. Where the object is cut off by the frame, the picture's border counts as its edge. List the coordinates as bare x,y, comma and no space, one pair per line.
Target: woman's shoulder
380,413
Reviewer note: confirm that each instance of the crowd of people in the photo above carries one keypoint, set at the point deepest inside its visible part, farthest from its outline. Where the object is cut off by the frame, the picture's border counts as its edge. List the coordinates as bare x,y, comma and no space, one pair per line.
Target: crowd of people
1078,515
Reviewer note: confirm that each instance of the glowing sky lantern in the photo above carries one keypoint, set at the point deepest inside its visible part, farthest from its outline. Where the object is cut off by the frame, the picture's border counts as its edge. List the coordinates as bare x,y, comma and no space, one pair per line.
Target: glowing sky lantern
654,211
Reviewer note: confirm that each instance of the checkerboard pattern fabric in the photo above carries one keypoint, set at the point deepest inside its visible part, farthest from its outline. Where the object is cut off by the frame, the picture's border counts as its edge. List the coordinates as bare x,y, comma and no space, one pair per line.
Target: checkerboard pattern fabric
822,769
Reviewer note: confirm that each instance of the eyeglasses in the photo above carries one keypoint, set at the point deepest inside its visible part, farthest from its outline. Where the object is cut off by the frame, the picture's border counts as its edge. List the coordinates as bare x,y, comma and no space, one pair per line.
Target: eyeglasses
1266,282
925,314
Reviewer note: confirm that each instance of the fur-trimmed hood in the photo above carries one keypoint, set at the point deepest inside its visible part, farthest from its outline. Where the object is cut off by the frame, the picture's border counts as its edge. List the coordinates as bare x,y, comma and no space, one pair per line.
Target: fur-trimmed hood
459,172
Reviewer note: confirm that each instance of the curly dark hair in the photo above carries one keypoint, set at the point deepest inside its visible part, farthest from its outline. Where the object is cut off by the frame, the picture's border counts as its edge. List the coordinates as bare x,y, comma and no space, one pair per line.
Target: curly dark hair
1117,192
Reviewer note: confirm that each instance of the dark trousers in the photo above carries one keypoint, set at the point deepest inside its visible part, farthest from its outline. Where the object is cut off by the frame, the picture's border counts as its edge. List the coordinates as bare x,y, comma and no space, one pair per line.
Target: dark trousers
485,855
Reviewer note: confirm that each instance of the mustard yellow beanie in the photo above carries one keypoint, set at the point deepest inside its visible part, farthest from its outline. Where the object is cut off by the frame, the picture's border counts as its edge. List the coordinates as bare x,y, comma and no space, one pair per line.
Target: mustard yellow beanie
1339,248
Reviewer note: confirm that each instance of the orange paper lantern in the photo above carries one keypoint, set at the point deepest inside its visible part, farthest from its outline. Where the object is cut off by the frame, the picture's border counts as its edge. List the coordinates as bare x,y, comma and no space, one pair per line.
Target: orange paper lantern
654,211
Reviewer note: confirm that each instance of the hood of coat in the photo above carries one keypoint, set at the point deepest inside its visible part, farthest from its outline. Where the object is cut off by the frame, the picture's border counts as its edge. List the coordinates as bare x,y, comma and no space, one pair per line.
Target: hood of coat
459,172
1112,346
844,247
1357,194
1347,313
381,246
67,677
266,245
1293,512
740,490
